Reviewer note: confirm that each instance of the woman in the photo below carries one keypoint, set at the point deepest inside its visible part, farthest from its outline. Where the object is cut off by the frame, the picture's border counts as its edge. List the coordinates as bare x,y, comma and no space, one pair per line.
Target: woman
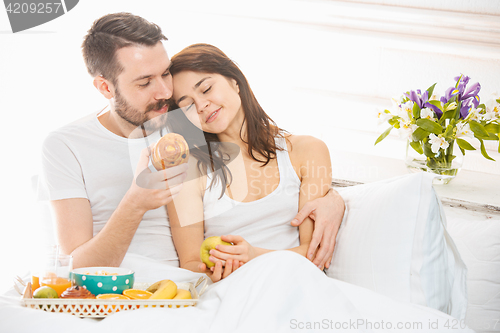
251,199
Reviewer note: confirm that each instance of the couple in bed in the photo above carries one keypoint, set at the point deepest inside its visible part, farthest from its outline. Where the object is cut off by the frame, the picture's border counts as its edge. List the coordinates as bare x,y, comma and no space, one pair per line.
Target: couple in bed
249,200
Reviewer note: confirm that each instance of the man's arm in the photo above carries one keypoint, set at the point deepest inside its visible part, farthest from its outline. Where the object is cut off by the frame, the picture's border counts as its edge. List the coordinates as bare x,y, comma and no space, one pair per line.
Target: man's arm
74,222
327,214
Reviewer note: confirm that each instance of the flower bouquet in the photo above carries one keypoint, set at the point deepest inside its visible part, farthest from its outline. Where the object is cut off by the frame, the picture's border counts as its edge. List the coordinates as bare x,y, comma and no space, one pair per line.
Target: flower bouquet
440,130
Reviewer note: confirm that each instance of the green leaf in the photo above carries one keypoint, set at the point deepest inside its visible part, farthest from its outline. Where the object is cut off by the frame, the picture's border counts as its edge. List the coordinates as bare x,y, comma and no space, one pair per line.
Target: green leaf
437,103
419,134
483,151
416,111
447,115
431,89
449,131
498,100
491,136
492,128
417,147
479,130
430,126
464,145
383,135
462,150
393,121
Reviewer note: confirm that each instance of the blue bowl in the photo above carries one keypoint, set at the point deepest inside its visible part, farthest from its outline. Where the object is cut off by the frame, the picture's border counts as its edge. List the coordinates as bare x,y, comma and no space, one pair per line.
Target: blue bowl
93,279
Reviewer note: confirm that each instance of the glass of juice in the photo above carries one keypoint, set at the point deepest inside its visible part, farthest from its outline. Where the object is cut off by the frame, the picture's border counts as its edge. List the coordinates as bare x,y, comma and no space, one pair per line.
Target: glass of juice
56,272
38,264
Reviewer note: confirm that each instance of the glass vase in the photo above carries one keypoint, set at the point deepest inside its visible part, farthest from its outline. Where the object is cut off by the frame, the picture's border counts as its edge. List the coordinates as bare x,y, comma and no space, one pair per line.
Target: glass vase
445,163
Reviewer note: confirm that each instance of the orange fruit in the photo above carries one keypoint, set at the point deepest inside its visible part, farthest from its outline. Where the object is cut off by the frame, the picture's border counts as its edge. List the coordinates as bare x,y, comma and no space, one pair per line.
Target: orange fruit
112,297
137,294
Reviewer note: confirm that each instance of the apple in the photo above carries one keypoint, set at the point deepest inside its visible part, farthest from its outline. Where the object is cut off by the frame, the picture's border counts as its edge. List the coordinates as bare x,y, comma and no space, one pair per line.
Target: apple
207,245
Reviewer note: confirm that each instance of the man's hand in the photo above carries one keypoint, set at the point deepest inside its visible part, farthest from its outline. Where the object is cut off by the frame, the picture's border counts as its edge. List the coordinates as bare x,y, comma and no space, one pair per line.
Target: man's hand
151,190
327,213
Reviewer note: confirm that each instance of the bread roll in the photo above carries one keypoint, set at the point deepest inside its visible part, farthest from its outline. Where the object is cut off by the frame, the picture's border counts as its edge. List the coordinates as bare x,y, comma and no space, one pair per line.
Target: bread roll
169,151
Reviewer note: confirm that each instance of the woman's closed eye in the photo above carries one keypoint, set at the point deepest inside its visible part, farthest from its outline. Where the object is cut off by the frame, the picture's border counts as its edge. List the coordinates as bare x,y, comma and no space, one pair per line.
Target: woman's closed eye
206,90
186,108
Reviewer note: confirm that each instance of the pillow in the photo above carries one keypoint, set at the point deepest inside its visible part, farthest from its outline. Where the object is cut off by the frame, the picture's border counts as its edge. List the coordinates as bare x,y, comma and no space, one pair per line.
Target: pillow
393,240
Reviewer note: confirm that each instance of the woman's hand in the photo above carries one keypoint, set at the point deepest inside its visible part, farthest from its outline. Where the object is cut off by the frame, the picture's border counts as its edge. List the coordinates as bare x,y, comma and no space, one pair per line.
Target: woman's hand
241,250
217,272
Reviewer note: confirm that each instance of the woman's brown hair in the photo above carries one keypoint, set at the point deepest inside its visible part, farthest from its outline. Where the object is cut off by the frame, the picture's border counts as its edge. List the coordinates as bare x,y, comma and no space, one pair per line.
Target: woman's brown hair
261,129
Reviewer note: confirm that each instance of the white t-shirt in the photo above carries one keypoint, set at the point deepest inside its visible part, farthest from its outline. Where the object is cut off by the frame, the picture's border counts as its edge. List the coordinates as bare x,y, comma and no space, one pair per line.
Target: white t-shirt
85,160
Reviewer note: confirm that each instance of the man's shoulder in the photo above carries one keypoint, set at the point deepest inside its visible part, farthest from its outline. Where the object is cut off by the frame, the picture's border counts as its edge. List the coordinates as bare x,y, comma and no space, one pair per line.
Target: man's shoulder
75,130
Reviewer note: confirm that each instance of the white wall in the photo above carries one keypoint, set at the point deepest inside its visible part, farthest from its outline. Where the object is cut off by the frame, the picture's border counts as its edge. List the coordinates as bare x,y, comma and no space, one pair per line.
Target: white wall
318,67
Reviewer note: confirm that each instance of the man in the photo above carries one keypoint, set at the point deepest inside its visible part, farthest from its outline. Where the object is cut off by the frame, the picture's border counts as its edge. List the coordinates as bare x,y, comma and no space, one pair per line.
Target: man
100,211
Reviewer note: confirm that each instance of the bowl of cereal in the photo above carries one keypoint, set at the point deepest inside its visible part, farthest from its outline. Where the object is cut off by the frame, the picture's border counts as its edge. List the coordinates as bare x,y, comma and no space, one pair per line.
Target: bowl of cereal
103,280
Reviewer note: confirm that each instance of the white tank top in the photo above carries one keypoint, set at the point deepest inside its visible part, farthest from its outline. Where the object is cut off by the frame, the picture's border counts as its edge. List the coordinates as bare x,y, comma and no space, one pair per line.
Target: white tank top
264,222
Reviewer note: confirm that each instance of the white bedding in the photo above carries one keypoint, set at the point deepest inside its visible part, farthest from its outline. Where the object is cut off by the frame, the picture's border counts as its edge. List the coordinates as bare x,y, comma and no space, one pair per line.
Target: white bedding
277,292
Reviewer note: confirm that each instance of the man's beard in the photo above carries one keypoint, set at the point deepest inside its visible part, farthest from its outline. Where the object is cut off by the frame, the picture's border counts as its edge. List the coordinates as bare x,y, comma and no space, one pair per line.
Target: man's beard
138,118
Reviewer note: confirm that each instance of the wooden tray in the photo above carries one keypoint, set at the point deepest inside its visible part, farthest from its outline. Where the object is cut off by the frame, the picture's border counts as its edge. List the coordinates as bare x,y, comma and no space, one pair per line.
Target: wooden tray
100,308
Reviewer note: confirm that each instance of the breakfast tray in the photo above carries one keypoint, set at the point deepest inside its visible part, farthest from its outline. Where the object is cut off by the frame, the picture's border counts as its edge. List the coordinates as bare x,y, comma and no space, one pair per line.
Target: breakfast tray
100,308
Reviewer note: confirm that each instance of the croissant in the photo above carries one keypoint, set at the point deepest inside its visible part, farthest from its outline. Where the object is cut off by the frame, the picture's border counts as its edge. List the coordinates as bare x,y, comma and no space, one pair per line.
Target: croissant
169,151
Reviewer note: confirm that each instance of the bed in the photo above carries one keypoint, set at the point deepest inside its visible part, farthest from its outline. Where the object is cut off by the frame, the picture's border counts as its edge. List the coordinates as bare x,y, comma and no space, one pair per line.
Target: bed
424,282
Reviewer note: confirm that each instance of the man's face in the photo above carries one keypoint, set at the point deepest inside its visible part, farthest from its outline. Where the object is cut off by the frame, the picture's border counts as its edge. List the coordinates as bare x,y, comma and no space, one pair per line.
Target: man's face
144,85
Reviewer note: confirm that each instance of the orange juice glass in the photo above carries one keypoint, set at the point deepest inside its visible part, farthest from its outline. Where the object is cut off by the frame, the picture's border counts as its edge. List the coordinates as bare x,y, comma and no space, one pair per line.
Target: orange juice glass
54,272
35,283
59,284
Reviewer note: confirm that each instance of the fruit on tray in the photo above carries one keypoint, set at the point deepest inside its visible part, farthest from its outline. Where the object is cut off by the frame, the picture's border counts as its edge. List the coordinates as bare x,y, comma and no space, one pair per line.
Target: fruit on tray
207,245
137,294
166,290
183,294
111,296
45,292
154,287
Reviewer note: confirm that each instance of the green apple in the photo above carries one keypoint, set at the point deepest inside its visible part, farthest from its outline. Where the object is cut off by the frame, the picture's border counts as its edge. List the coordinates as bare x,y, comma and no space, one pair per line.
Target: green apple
207,245
45,292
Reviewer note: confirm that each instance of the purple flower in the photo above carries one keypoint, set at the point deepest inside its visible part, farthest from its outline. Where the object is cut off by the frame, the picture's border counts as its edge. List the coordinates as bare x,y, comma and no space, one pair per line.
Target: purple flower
466,97
422,100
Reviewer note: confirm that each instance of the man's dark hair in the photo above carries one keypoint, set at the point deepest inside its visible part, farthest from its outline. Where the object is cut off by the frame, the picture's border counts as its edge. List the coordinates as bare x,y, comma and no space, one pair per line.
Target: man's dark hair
111,33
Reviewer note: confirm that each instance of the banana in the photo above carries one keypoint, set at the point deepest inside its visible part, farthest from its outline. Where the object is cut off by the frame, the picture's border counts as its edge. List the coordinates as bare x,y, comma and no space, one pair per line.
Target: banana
154,287
166,290
183,294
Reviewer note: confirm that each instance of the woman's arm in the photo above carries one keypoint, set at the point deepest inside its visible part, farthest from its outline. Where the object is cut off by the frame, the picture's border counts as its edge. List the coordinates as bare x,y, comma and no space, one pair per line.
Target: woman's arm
311,160
185,214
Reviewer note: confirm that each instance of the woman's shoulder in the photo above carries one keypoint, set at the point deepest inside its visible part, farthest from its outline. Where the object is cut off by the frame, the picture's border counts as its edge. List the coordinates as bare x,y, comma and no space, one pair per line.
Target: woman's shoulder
305,144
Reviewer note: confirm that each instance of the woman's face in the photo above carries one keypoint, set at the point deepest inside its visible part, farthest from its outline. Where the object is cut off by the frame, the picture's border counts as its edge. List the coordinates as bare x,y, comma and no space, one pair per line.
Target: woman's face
210,101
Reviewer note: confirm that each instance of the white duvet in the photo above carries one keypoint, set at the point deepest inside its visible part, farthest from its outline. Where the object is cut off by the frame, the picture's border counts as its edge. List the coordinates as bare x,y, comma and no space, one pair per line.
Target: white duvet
277,292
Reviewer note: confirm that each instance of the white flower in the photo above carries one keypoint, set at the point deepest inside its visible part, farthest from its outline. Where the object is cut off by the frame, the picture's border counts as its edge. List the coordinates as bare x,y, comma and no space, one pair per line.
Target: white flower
427,113
397,101
492,110
383,116
474,114
490,114
406,111
437,142
463,129
406,129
